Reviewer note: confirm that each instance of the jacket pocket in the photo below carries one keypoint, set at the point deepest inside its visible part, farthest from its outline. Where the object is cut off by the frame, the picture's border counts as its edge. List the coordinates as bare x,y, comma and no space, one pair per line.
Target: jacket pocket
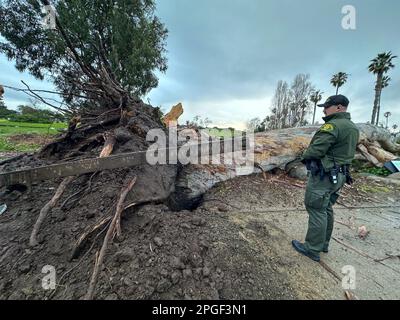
316,201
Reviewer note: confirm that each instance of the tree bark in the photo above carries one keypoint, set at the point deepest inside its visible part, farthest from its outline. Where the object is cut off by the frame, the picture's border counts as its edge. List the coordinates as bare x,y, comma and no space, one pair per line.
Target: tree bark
315,109
377,98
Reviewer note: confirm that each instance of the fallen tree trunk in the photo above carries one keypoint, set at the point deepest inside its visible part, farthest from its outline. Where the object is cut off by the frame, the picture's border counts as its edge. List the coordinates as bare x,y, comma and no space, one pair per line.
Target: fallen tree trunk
370,133
277,149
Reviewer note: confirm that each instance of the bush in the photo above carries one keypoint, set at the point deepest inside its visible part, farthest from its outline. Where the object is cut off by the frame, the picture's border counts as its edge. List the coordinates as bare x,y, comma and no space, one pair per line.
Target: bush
377,171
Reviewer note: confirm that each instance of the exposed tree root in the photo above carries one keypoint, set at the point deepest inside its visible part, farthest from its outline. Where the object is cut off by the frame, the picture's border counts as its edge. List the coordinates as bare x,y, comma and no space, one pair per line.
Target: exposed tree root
80,261
83,190
83,239
112,230
46,209
64,143
105,152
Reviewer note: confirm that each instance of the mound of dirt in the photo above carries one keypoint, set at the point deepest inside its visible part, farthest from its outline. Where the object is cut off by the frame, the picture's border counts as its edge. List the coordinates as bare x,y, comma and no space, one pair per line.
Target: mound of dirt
162,254
201,254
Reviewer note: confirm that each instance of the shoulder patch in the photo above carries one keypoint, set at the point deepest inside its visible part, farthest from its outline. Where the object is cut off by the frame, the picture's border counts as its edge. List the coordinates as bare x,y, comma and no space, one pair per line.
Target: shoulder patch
327,127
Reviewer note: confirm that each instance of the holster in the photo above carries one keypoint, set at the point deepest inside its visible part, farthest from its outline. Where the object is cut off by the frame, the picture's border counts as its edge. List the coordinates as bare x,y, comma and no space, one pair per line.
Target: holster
314,167
346,172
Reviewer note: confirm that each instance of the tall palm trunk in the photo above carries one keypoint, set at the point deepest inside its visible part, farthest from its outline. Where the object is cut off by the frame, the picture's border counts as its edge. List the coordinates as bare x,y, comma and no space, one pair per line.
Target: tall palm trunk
378,90
337,89
315,109
379,108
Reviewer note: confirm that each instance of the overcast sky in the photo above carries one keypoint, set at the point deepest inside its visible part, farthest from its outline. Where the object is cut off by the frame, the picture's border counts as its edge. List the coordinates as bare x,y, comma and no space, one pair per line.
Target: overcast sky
226,56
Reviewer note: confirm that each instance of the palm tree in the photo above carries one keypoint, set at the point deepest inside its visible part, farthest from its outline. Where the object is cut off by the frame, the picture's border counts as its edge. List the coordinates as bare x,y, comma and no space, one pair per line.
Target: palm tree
387,115
379,66
316,96
338,80
394,127
385,83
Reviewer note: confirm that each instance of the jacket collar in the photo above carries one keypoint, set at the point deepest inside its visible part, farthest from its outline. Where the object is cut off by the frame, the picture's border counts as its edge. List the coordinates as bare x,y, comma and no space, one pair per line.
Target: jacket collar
338,115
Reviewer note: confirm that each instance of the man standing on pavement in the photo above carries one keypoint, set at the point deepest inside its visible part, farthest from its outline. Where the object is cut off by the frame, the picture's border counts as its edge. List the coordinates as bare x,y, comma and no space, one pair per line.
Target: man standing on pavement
328,159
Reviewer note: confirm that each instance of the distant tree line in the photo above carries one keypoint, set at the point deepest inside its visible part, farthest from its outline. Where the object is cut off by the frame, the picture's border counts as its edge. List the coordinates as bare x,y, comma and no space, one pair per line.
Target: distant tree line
32,114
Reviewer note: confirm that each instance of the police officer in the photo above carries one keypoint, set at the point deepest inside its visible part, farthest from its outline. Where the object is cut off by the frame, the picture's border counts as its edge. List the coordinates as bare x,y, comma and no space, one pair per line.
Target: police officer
327,158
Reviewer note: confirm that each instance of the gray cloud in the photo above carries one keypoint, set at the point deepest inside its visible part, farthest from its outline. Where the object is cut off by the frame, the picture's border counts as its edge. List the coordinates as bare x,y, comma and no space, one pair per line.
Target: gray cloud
237,50
226,56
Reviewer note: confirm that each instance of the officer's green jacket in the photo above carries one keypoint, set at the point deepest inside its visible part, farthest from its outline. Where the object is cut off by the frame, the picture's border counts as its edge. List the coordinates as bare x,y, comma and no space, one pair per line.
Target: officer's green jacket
335,142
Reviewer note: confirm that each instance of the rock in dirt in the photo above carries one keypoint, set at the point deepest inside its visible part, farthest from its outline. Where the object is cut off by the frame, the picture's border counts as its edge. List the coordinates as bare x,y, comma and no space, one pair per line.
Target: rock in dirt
24,268
163,285
122,134
197,221
177,263
187,273
158,241
112,296
206,271
175,277
14,195
297,170
123,256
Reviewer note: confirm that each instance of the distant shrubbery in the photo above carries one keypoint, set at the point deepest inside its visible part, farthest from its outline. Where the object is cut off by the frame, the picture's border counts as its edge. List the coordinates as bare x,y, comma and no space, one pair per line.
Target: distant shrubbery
31,114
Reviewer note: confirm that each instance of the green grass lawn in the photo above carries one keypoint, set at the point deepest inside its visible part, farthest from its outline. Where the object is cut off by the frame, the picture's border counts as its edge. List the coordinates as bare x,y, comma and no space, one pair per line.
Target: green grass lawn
25,136
226,133
12,128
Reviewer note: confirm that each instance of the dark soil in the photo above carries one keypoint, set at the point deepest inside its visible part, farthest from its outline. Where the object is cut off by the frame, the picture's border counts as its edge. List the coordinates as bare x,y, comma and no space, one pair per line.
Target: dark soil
212,252
162,254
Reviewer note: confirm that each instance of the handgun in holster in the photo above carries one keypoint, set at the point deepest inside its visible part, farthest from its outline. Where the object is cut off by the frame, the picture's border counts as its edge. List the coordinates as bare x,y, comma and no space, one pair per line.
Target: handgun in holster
314,167
346,172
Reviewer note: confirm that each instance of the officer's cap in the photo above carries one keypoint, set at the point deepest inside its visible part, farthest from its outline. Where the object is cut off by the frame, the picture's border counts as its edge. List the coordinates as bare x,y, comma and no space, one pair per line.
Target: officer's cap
334,101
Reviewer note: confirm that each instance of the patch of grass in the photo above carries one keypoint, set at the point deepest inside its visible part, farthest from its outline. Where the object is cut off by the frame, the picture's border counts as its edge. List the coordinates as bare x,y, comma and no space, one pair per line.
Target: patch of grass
223,133
8,146
373,189
26,136
9,127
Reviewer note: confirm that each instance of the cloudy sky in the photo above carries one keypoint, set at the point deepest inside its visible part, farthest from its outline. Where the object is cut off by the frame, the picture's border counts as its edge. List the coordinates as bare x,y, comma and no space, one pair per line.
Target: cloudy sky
226,56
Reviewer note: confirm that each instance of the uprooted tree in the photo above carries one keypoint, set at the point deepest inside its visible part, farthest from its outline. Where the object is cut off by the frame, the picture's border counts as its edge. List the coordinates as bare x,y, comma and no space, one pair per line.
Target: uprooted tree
101,54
